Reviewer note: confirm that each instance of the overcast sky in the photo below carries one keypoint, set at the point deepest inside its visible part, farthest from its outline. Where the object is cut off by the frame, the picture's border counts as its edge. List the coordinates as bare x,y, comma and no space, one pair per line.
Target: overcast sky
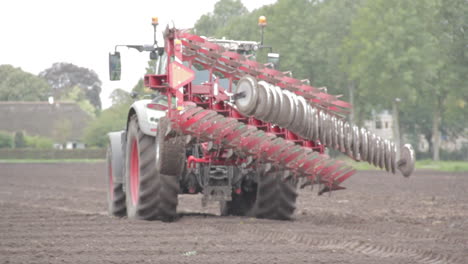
36,34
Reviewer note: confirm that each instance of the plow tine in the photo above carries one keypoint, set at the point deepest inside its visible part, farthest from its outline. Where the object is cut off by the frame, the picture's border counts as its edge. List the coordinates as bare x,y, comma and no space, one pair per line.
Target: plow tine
250,141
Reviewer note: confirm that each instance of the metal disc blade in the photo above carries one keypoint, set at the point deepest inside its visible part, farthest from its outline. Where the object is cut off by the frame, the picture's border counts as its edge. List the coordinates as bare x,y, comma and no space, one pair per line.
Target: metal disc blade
316,115
332,143
388,156
370,154
406,162
363,144
348,137
341,136
264,101
294,107
382,154
285,111
356,143
295,124
376,145
248,86
393,157
270,117
279,104
329,129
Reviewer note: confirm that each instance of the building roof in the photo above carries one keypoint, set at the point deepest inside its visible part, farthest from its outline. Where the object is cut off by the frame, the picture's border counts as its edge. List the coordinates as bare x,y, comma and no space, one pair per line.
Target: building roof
44,119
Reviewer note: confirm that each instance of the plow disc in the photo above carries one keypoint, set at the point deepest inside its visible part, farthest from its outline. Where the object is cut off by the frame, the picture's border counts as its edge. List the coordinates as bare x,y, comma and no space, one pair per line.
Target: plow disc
312,123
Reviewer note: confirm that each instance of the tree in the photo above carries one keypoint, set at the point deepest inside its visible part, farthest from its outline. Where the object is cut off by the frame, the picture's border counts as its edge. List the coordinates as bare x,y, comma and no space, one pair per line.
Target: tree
19,140
111,119
374,51
120,96
6,139
224,11
38,142
63,77
17,85
409,49
77,95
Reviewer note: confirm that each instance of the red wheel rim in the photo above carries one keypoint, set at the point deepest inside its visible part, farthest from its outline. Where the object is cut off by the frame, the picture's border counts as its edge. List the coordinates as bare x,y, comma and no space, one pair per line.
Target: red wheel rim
111,181
134,172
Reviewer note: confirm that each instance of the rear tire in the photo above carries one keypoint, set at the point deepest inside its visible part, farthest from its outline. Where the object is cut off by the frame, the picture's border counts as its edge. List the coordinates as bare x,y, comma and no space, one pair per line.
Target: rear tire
271,197
115,194
276,197
150,194
240,205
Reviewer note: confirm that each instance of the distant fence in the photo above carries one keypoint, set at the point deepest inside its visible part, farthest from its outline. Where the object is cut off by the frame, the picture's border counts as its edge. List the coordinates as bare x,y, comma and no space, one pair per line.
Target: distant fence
52,154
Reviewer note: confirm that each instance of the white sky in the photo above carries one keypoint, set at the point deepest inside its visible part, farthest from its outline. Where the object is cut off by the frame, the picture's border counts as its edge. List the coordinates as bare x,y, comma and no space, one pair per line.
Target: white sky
34,34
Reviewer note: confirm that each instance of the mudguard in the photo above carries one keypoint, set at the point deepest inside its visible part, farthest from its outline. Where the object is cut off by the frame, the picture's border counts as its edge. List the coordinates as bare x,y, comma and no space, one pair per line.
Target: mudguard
115,143
147,117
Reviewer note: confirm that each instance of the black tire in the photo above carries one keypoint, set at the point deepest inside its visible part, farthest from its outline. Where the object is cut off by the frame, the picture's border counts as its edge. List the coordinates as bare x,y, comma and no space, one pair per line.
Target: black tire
170,164
115,194
276,197
240,205
150,194
271,197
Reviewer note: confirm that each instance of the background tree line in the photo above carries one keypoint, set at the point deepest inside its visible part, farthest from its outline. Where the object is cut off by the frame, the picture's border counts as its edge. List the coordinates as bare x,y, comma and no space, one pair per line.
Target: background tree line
372,51
64,82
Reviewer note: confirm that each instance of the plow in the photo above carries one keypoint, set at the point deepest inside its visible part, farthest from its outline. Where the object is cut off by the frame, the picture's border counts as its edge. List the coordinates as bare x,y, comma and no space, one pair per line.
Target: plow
240,132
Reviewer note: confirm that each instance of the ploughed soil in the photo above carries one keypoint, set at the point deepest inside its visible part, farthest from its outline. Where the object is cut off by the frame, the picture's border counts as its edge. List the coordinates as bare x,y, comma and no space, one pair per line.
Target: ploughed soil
56,213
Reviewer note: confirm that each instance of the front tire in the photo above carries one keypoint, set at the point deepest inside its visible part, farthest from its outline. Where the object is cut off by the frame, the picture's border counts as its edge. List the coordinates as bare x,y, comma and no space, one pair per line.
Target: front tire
115,194
150,194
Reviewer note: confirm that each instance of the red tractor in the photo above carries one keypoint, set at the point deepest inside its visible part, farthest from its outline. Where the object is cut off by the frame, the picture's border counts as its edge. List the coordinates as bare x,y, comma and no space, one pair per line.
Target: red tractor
238,131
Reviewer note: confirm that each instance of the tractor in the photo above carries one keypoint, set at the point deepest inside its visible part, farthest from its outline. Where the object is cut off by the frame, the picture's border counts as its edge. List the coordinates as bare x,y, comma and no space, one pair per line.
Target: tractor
240,132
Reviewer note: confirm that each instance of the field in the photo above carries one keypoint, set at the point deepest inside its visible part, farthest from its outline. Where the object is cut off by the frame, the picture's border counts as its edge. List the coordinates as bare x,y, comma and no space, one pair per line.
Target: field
56,213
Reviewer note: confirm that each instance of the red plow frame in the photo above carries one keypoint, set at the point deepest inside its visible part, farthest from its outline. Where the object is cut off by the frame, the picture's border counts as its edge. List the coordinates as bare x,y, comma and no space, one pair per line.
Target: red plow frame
206,112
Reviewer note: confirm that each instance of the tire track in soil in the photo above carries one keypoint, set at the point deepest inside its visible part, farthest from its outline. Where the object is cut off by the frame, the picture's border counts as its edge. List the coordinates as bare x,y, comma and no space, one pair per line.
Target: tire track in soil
352,246
57,187
346,226
56,208
85,219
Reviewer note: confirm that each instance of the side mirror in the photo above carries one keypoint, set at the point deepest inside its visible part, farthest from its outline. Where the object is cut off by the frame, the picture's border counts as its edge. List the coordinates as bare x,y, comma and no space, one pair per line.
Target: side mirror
114,66
274,58
153,55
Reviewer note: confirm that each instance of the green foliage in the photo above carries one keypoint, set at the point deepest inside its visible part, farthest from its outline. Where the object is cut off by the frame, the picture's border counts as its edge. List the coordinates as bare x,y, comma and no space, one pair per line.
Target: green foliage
224,12
19,141
6,139
120,96
38,142
17,85
64,77
111,119
413,50
373,51
140,87
77,95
